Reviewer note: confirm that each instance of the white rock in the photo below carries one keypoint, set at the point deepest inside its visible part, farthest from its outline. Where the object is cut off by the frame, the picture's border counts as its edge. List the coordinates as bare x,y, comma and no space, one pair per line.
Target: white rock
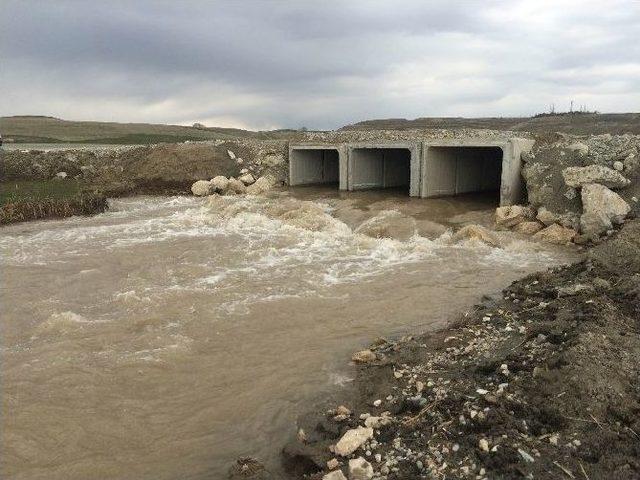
247,178
618,165
377,422
360,469
263,184
598,199
219,183
579,176
61,175
335,475
352,440
244,170
239,161
232,155
483,444
202,188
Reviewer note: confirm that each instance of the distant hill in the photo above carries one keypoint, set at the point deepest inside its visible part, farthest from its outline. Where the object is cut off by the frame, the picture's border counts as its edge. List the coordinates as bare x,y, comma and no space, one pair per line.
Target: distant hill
41,129
575,123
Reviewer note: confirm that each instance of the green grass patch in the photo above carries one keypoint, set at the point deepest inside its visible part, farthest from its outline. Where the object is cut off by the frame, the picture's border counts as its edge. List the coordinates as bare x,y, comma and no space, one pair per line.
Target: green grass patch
21,190
30,200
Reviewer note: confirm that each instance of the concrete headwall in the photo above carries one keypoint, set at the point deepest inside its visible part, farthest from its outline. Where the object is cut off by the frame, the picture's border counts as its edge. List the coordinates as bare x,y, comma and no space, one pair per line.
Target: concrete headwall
430,168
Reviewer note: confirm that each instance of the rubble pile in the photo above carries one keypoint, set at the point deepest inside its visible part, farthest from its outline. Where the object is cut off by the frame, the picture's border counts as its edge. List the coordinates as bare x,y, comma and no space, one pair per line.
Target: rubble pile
588,185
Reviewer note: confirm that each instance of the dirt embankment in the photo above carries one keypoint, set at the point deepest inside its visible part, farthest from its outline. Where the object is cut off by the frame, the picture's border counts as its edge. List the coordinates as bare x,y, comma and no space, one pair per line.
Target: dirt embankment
158,169
541,382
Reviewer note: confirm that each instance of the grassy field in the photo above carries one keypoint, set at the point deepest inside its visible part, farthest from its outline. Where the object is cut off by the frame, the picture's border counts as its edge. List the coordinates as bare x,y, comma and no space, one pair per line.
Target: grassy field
576,123
40,129
30,200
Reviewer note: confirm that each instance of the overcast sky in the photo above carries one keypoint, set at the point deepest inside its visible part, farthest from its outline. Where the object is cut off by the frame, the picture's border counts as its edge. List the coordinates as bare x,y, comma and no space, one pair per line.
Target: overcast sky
320,64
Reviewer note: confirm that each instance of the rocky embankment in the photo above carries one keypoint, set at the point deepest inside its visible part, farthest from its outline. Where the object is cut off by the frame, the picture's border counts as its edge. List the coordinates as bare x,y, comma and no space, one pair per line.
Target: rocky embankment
540,382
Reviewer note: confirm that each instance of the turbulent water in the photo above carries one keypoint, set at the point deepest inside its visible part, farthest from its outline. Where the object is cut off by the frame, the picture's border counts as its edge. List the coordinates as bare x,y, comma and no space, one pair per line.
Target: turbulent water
168,336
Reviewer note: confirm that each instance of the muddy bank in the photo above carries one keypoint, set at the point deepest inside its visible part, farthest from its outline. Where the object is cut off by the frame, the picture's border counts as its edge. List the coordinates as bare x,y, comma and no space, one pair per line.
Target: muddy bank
37,209
540,382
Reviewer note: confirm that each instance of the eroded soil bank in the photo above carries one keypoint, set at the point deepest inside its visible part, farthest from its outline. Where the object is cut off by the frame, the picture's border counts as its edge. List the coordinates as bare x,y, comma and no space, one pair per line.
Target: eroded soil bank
540,382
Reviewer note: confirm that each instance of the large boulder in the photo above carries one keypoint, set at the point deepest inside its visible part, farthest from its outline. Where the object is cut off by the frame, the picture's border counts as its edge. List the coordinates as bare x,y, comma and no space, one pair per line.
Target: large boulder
579,176
220,183
602,207
512,215
352,440
202,188
556,234
261,185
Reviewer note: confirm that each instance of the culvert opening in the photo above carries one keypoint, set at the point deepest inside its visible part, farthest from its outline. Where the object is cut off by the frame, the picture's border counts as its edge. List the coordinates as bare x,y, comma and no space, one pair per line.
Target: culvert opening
374,168
458,170
314,166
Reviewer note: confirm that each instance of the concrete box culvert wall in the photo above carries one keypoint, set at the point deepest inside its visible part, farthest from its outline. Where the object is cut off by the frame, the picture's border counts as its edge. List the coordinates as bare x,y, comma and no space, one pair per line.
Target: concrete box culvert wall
317,164
373,166
467,165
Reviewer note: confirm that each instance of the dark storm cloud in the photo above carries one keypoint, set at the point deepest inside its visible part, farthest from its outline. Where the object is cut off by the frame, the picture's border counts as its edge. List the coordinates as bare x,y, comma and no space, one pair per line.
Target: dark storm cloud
321,64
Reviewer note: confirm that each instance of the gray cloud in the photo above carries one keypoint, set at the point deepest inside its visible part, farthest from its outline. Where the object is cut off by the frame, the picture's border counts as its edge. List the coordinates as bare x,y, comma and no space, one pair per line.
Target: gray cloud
264,64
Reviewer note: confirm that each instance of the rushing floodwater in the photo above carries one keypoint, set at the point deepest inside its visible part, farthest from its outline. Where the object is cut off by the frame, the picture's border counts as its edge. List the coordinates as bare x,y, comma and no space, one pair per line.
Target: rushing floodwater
168,336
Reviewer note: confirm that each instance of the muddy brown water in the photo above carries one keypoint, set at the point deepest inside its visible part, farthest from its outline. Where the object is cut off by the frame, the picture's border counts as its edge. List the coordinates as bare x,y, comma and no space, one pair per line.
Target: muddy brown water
168,336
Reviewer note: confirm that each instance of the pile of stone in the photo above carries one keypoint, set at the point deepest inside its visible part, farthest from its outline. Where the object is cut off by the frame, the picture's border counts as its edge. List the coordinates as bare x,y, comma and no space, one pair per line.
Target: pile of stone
579,189
244,184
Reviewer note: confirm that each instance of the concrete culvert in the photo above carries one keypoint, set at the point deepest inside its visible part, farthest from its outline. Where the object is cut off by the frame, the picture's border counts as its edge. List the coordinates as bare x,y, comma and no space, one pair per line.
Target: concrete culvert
309,166
380,168
455,170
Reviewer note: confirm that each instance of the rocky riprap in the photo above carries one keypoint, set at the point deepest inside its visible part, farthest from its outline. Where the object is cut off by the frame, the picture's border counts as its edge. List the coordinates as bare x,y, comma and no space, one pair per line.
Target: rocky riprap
538,383
586,184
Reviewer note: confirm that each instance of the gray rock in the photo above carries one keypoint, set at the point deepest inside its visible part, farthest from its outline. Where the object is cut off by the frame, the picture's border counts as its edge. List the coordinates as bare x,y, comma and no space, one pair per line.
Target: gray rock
580,148
618,165
568,219
594,224
579,176
360,469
